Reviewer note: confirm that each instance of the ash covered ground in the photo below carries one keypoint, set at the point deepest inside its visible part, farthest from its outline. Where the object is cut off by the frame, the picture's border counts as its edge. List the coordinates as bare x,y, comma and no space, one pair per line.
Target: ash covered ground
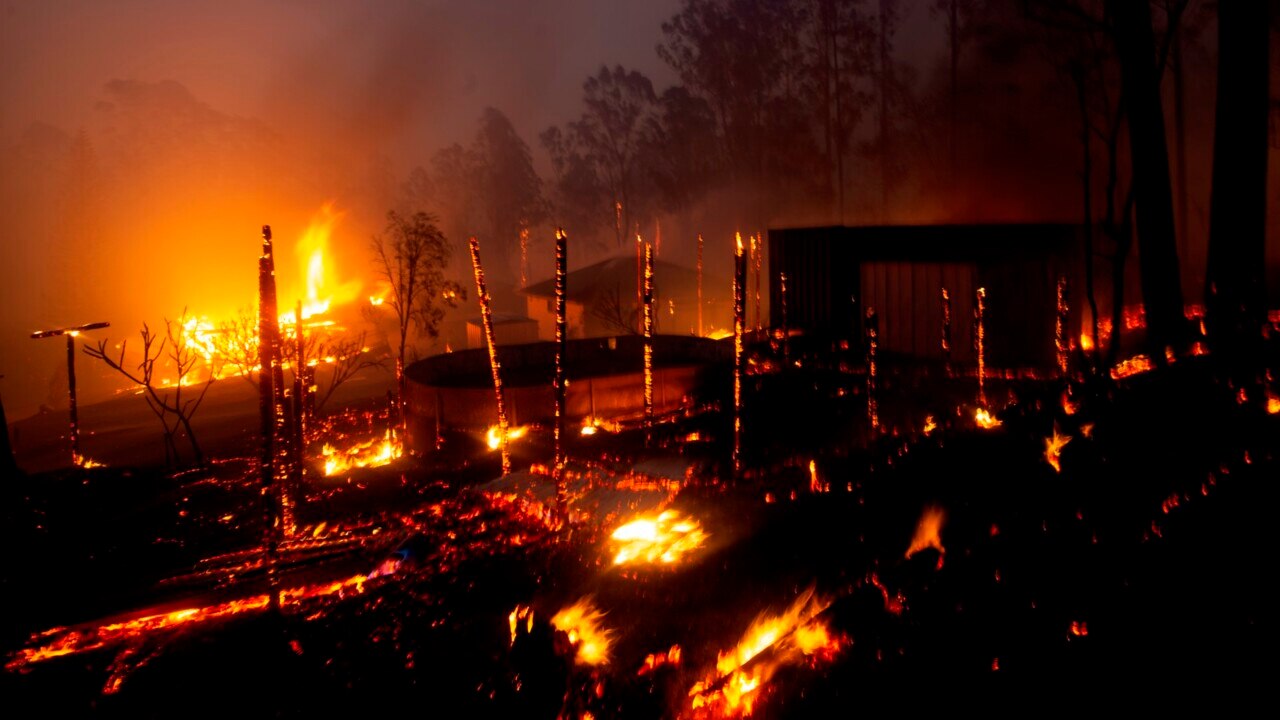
430,585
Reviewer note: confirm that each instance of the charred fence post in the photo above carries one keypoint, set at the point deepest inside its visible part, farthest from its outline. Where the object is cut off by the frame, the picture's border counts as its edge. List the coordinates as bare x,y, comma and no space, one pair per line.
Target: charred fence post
268,348
786,330
73,411
1061,340
872,342
980,341
648,344
486,316
562,262
700,332
946,331
739,327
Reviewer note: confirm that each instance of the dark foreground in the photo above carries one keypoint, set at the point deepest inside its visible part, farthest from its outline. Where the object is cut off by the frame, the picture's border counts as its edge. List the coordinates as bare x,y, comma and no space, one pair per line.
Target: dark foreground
1149,554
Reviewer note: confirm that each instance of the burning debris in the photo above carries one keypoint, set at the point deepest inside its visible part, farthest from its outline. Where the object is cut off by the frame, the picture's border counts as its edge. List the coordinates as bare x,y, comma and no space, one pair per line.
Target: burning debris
665,539
588,637
985,419
370,453
740,680
1053,449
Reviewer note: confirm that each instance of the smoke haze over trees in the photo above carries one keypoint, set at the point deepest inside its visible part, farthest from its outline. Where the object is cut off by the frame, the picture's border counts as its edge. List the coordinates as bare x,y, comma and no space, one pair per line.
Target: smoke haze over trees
703,115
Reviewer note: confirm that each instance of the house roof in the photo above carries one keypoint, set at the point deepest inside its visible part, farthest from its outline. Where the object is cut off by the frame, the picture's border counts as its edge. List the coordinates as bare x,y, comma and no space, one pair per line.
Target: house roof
619,274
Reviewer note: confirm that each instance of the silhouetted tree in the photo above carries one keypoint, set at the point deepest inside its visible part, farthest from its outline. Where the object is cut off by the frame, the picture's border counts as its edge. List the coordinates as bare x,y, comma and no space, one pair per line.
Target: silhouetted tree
506,187
1149,157
617,105
1235,287
164,395
411,256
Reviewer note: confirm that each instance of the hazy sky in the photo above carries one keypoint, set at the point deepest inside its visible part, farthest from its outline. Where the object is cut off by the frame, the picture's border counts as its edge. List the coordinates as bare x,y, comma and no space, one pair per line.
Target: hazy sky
416,73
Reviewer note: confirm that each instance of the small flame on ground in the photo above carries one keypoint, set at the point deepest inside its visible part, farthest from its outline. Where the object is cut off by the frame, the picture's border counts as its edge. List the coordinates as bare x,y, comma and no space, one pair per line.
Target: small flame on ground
985,419
370,453
85,462
1273,404
593,425
929,424
1133,366
494,437
1053,449
929,532
590,639
664,539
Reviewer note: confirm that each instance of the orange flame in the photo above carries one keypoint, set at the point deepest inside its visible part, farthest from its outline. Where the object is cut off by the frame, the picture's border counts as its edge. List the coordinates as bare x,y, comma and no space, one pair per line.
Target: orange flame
929,424
493,438
1133,366
522,613
321,286
929,532
1053,449
664,539
370,453
591,640
60,641
769,642
985,419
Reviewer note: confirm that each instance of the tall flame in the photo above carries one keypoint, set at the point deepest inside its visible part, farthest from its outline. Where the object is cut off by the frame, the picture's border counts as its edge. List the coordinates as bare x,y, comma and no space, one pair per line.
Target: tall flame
322,288
929,532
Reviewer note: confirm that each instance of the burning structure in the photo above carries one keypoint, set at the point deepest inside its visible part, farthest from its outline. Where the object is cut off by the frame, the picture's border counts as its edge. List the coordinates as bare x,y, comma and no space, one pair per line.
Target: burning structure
835,273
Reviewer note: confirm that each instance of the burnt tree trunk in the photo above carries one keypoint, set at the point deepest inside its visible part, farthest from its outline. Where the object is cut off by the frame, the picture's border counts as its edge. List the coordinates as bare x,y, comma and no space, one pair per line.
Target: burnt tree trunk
1235,283
1157,241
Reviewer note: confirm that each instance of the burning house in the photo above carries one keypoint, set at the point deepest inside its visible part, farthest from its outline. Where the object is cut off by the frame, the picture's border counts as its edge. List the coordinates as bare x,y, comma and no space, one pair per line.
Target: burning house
835,274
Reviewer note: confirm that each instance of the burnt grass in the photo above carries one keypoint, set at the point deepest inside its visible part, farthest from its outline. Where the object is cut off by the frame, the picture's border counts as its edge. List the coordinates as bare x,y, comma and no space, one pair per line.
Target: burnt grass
1153,543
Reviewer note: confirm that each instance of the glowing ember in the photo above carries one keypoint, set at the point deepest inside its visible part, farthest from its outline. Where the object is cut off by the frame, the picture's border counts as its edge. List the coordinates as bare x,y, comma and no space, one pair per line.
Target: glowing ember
61,641
770,642
929,424
1133,366
929,533
370,453
87,463
593,425
985,419
664,539
1273,404
589,638
739,327
653,661
1069,407
494,436
1053,449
